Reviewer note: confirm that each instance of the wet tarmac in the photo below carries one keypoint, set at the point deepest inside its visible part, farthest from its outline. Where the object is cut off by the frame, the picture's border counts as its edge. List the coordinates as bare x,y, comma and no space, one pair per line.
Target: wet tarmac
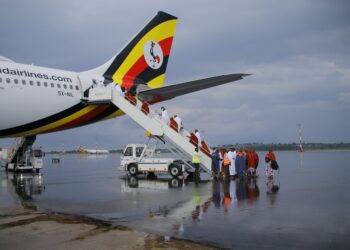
305,206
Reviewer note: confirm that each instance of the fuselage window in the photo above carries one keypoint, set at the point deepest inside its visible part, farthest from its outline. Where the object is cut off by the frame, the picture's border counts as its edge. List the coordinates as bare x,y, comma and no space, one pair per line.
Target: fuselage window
45,84
16,81
58,85
52,85
31,83
76,87
64,86
8,80
24,82
70,86
0,79
38,83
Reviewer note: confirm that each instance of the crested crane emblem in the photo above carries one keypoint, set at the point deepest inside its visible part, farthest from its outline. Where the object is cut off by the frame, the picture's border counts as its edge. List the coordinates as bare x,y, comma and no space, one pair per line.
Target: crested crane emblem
153,54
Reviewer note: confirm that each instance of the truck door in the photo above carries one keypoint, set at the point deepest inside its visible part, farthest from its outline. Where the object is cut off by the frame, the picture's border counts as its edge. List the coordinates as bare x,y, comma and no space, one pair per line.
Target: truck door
139,151
127,156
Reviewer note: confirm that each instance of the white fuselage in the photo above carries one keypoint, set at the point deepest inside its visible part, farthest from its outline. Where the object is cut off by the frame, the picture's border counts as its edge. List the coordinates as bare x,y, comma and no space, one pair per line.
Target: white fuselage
30,94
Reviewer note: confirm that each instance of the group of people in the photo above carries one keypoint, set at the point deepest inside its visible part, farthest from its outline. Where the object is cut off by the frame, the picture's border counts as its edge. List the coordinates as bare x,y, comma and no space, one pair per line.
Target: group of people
233,164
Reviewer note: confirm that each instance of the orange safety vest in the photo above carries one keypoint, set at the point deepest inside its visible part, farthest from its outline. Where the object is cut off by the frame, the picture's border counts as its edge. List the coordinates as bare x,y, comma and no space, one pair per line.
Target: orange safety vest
226,161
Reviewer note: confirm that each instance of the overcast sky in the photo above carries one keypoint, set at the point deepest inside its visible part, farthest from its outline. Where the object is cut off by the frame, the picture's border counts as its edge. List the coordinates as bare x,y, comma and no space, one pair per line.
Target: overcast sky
298,52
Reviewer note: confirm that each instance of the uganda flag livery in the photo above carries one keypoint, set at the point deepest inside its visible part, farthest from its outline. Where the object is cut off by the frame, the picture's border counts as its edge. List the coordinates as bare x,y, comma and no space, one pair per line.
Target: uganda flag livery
145,58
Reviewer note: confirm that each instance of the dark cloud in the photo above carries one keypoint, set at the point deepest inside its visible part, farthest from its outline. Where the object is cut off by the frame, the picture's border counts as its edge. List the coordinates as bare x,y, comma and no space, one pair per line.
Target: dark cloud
297,51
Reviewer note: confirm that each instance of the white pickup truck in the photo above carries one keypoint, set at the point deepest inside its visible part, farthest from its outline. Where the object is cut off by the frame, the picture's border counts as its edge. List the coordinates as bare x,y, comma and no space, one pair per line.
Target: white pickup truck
138,158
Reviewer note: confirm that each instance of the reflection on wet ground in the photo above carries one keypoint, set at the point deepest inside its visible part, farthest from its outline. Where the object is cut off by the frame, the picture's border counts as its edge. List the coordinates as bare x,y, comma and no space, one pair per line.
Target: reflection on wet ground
27,184
309,211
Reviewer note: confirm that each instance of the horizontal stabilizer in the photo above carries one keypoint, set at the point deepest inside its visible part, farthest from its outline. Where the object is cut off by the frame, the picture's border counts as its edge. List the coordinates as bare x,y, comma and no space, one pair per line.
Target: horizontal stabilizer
168,92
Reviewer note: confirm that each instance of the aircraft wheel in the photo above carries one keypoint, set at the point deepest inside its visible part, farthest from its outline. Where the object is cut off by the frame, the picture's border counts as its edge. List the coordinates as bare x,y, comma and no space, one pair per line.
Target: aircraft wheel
132,168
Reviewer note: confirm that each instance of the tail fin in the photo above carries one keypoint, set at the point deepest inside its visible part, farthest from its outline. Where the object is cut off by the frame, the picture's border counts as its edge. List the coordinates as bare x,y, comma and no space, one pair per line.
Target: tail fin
145,58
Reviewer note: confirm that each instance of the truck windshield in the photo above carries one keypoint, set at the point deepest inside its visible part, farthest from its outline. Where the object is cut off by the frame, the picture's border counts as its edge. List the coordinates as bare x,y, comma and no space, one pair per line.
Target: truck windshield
139,151
128,151
38,153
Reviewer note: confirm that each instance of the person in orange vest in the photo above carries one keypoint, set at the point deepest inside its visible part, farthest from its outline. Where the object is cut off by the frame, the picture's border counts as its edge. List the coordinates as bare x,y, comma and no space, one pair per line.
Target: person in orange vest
270,155
226,166
250,163
270,160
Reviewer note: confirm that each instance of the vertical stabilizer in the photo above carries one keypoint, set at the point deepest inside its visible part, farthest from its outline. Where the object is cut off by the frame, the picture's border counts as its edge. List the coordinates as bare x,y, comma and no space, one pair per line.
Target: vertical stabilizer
145,58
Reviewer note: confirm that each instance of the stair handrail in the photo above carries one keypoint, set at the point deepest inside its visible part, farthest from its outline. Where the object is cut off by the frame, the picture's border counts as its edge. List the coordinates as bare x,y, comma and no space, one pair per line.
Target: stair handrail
205,148
14,148
152,114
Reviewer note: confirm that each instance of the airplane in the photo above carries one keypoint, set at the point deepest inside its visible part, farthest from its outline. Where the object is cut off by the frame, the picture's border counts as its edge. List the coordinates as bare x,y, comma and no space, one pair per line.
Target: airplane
37,100
85,150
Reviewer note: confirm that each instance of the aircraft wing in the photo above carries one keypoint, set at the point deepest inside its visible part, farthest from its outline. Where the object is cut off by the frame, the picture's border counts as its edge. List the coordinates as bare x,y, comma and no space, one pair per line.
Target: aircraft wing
168,92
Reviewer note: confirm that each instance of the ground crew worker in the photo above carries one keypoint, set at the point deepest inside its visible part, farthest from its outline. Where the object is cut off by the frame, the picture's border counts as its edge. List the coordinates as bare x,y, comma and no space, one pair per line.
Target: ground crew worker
196,160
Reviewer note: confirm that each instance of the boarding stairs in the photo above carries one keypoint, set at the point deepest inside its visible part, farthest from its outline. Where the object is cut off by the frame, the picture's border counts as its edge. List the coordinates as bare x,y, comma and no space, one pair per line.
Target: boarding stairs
181,143
19,147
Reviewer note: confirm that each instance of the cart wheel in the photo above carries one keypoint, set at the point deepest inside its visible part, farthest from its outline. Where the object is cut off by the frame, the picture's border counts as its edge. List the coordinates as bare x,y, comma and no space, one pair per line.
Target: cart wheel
132,169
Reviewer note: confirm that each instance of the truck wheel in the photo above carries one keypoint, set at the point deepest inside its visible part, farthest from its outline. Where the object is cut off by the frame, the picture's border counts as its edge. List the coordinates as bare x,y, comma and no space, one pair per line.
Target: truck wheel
132,169
174,170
